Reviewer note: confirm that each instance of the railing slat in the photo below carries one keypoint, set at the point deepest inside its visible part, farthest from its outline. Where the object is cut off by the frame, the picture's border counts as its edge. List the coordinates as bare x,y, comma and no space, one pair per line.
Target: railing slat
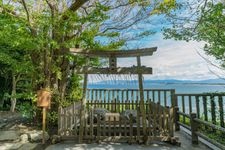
197,106
221,111
205,108
190,104
153,95
213,112
183,108
165,99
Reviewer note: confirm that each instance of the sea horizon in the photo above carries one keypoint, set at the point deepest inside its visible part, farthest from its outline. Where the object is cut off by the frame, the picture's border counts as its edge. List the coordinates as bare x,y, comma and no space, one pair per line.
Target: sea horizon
180,86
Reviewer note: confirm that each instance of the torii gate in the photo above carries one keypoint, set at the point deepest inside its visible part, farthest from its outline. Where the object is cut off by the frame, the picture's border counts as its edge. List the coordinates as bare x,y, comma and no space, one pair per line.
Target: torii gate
112,55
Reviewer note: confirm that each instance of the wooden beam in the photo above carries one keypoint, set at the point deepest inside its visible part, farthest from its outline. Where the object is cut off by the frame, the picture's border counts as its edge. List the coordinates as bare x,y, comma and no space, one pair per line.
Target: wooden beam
141,90
118,70
114,53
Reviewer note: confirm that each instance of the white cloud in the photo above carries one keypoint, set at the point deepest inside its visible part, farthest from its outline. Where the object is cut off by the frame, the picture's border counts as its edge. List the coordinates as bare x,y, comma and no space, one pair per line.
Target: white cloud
173,60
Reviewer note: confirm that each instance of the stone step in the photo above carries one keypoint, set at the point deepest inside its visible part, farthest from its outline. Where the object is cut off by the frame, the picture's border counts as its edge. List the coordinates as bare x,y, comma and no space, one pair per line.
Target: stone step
9,136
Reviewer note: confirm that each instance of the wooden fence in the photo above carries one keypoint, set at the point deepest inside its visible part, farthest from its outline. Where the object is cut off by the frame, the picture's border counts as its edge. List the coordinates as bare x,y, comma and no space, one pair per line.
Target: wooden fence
160,119
191,111
164,97
197,110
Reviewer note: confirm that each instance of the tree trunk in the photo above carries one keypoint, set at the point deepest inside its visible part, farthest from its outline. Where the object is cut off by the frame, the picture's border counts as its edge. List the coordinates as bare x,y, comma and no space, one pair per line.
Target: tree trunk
47,69
64,81
13,99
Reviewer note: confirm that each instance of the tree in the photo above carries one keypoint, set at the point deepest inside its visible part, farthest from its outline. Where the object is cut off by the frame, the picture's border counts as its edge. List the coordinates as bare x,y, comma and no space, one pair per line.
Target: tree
51,27
205,23
14,59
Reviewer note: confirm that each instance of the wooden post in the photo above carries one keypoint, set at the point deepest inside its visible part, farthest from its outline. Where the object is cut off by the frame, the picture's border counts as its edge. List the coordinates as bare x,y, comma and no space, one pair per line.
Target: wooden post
194,128
153,96
171,121
142,107
98,128
138,123
183,108
174,98
91,122
213,108
176,118
75,118
190,104
159,100
205,108
165,98
59,120
221,111
83,109
131,128
43,124
197,106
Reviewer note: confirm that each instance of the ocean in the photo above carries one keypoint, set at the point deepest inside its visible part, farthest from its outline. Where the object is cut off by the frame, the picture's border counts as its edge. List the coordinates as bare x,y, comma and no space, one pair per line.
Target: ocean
179,87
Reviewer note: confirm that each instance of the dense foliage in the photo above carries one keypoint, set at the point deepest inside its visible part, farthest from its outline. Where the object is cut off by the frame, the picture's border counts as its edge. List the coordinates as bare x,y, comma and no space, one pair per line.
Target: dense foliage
201,21
35,37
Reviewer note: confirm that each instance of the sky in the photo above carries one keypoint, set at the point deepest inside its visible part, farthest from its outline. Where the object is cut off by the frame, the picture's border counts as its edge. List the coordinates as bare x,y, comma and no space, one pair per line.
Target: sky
174,60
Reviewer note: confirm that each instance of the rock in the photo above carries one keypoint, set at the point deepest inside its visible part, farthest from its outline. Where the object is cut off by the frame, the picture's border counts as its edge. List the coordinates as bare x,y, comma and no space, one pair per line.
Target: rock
100,111
127,113
9,135
28,146
21,126
36,136
2,125
24,138
96,112
55,139
10,146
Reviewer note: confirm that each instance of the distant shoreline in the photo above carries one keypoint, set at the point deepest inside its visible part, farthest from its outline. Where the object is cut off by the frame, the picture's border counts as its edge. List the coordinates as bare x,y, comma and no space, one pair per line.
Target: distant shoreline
168,83
212,82
191,83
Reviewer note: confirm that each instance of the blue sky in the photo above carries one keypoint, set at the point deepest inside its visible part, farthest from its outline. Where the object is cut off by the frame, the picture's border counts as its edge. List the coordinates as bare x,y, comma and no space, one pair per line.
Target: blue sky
173,59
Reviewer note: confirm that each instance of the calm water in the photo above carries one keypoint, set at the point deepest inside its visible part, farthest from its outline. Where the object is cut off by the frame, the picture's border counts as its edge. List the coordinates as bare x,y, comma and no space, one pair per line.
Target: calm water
180,88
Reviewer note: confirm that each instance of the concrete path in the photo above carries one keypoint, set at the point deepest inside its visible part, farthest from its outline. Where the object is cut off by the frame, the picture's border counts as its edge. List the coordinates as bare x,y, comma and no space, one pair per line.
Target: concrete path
183,138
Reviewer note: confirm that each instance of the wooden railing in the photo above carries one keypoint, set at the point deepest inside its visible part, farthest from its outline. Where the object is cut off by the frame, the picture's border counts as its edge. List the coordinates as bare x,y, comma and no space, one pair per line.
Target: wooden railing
68,118
202,110
160,121
164,97
192,111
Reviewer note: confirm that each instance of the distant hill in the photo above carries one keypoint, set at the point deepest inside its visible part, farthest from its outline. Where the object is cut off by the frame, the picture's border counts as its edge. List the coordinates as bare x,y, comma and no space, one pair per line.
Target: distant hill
173,81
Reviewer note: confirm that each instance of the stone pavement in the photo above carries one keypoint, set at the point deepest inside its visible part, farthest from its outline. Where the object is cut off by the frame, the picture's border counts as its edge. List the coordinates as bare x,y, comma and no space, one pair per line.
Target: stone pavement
183,138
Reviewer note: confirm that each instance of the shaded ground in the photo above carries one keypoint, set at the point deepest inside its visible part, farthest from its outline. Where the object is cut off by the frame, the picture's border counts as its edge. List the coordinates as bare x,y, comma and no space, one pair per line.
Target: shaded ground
184,139
14,123
9,119
18,133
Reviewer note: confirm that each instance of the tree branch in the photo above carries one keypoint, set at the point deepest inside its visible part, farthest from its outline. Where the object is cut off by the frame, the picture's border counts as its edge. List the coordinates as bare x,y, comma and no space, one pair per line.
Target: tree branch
74,7
50,5
210,62
27,12
77,4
